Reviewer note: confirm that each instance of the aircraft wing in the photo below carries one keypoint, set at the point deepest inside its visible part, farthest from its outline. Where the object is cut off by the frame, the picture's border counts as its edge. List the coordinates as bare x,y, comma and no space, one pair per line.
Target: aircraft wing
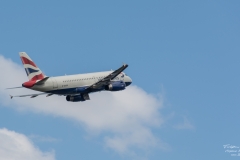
29,95
108,78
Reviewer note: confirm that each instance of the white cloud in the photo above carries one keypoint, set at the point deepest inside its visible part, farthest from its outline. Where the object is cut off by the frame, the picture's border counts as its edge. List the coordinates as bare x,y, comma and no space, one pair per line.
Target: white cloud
126,117
17,146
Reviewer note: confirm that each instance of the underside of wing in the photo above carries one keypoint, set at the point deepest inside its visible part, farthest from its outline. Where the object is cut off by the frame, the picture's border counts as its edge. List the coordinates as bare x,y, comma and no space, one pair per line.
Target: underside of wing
108,78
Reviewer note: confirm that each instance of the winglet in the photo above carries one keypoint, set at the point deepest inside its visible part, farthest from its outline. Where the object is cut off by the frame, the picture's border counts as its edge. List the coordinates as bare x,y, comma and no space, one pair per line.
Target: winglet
11,96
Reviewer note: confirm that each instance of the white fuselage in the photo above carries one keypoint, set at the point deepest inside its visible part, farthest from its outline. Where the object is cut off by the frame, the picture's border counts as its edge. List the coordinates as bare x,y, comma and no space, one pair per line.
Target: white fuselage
63,84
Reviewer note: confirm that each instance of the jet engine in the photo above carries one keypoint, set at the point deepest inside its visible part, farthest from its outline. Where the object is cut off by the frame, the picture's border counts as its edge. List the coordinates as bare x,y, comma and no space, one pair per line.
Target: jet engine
78,98
116,86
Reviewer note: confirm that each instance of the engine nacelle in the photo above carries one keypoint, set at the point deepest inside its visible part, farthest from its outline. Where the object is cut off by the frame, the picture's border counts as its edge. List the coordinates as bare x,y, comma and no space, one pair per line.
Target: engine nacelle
116,86
75,98
78,98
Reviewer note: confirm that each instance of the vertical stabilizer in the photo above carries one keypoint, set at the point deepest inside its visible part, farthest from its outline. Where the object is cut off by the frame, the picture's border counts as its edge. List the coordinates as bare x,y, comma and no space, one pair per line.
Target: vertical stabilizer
33,72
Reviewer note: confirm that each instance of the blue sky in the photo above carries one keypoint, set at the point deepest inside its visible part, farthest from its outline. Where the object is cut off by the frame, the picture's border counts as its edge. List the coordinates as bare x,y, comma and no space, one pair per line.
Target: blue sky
183,58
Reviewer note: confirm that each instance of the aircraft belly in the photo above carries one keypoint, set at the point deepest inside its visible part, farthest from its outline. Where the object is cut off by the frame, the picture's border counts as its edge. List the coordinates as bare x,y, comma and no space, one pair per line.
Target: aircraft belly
65,91
72,91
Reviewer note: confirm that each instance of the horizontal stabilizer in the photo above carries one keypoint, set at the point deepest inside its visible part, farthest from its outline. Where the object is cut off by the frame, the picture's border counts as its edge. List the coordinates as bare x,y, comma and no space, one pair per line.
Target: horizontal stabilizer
42,81
29,95
14,87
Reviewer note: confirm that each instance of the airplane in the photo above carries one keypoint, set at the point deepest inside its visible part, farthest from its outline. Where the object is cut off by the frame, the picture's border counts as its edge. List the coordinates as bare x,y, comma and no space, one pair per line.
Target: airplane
76,88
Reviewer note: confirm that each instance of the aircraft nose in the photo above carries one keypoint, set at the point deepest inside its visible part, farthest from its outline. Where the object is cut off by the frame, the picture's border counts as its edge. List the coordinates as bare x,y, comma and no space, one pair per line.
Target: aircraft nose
128,81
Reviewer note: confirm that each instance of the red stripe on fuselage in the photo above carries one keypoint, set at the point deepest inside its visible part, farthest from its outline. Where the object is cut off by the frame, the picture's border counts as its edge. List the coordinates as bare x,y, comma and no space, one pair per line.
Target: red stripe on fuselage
27,61
32,82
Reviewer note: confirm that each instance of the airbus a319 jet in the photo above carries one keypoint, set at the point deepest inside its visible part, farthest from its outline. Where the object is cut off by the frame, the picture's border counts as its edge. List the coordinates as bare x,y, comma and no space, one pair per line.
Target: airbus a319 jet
75,87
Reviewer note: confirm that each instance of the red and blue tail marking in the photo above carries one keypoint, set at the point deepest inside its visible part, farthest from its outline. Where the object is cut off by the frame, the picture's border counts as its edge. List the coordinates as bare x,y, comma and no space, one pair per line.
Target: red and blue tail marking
33,72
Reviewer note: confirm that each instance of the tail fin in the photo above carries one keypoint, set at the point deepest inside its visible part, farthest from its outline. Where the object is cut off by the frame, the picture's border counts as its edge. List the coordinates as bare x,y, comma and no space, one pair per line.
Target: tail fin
33,72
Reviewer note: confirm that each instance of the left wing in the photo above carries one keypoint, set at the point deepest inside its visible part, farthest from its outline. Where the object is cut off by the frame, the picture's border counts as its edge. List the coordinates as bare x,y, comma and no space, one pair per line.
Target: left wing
29,95
108,78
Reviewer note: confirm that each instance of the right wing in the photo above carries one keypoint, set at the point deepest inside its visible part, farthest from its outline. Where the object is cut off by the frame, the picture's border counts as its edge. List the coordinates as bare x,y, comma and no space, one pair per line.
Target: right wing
108,78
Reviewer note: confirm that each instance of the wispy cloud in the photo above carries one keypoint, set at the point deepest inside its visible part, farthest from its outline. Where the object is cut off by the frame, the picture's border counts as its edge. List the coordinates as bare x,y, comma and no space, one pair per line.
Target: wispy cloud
186,124
126,117
39,138
14,145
